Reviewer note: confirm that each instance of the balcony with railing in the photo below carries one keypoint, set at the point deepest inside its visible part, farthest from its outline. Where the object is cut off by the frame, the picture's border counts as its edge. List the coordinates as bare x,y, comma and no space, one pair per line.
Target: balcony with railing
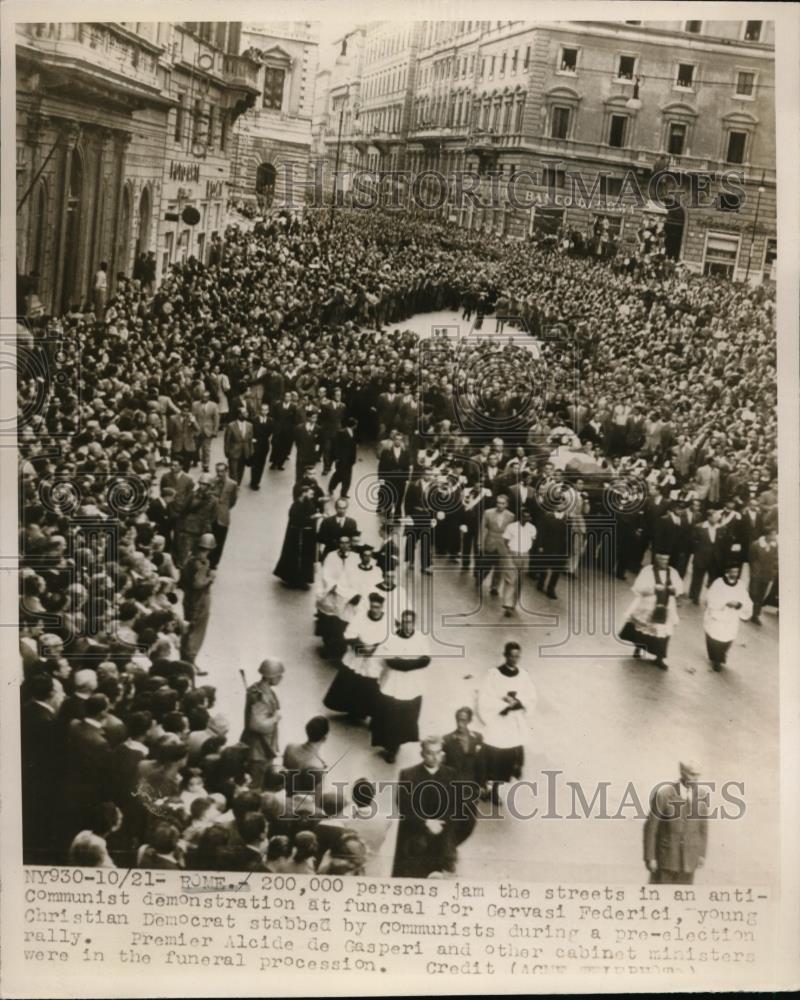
92,48
239,71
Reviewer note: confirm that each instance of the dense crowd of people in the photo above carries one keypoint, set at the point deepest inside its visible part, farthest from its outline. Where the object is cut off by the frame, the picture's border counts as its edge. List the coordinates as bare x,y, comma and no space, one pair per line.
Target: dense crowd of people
599,389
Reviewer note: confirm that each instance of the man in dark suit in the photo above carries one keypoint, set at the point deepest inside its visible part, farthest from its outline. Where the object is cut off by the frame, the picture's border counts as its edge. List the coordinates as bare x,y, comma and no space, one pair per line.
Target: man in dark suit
394,469
673,534
332,528
676,831
752,526
238,443
417,506
42,755
306,441
161,511
344,455
427,807
709,549
388,405
553,543
263,427
88,755
331,415
285,416
521,496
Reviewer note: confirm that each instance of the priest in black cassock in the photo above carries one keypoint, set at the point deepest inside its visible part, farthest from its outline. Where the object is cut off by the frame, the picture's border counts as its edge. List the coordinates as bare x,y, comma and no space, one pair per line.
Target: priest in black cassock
296,564
426,804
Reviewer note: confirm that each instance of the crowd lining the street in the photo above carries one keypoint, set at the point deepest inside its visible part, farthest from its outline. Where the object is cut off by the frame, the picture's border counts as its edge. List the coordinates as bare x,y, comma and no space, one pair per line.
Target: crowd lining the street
646,393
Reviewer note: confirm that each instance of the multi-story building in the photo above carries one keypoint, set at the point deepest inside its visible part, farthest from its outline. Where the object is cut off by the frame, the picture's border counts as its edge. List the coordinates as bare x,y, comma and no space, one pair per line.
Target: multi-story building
577,124
272,140
210,86
121,127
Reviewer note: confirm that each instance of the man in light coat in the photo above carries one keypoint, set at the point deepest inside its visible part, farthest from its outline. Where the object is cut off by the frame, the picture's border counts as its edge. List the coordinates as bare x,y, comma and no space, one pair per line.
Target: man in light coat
261,718
238,445
206,413
676,831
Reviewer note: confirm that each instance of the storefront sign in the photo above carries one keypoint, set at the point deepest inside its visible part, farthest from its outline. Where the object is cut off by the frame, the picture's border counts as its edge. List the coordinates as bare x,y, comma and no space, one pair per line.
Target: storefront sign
184,171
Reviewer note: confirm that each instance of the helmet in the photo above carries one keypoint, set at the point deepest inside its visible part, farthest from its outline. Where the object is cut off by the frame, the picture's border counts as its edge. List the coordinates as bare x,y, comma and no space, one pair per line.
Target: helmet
207,541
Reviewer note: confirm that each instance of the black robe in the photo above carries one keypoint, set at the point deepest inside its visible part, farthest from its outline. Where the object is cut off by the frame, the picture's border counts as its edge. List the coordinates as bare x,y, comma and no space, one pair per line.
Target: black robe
421,795
296,564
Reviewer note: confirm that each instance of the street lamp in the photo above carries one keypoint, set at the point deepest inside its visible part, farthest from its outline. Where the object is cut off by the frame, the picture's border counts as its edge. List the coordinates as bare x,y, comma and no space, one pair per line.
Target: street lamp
341,62
761,190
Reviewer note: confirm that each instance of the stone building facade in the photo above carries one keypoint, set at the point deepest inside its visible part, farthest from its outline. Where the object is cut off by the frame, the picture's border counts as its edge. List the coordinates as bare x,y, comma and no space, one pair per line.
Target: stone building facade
120,128
575,125
272,140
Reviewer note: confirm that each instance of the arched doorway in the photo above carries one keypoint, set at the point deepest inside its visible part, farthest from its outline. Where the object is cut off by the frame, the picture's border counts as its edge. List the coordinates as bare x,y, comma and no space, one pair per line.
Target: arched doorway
673,232
143,237
72,224
265,184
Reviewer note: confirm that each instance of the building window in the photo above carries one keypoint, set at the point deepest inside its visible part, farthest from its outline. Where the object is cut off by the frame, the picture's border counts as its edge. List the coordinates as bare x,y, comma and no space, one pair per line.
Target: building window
752,31
491,65
729,202
514,58
745,84
559,123
722,251
520,113
626,67
770,259
610,187
693,27
273,88
676,138
223,131
737,145
527,61
568,60
554,178
685,76
180,112
211,125
617,130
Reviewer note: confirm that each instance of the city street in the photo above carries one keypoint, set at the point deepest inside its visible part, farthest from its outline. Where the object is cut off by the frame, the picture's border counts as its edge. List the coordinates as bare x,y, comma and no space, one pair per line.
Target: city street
601,716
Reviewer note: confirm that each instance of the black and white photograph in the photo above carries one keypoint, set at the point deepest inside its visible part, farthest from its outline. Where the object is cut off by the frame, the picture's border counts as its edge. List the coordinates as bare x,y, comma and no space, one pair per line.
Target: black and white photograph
396,443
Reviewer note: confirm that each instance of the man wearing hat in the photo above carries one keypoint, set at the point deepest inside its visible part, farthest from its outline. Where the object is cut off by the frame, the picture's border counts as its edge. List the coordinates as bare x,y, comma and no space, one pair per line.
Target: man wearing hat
261,718
676,831
197,578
